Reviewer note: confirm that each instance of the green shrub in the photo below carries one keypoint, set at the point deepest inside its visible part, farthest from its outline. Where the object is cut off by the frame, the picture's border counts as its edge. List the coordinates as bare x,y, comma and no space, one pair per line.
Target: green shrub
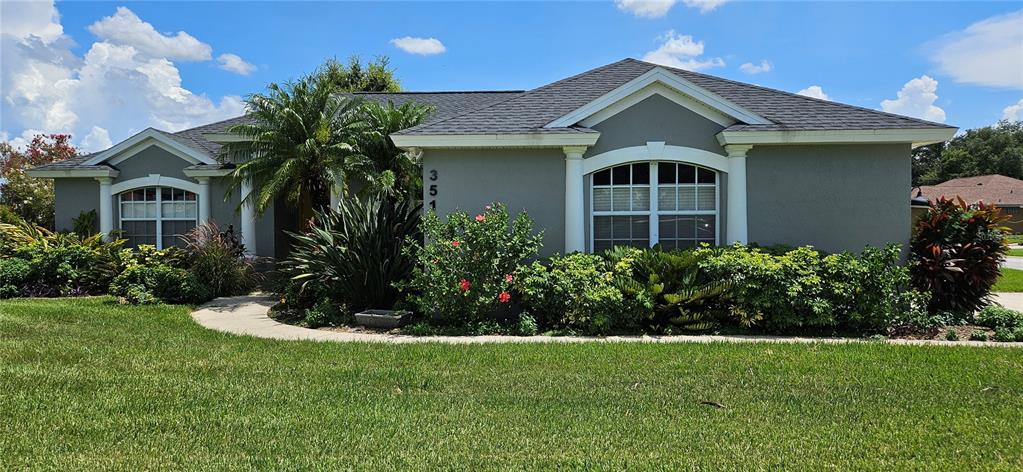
670,287
324,313
951,335
85,223
527,326
956,250
575,292
147,284
14,273
994,316
978,335
804,289
1004,335
355,255
66,265
462,272
217,260
1017,334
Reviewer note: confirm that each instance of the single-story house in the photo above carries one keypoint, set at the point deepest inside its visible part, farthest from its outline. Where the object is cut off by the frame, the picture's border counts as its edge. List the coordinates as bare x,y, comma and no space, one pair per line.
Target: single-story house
627,153
1004,192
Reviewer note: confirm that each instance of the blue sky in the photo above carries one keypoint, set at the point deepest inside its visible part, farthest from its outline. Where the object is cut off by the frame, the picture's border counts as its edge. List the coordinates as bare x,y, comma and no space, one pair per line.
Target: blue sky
855,52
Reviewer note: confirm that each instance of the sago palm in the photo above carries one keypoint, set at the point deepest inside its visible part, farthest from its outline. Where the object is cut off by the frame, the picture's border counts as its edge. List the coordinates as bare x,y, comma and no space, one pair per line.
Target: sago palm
302,138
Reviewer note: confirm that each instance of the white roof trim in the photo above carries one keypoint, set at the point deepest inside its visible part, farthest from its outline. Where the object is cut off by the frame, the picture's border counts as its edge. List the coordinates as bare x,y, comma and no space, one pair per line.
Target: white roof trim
658,88
493,140
655,151
659,74
61,173
133,145
918,136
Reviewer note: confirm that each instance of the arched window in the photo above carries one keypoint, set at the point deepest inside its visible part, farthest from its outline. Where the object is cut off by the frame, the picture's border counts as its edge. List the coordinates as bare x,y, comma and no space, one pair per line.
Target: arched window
667,203
157,215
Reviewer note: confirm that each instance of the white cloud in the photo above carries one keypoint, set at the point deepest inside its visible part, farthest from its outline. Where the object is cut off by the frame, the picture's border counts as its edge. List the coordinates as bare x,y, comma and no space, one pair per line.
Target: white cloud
116,89
421,46
98,139
682,52
751,68
917,99
127,29
234,63
1013,112
814,91
659,8
989,52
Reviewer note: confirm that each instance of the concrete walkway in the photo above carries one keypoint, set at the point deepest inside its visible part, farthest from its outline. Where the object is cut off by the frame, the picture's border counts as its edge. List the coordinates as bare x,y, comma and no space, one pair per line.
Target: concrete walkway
1013,262
247,316
1009,300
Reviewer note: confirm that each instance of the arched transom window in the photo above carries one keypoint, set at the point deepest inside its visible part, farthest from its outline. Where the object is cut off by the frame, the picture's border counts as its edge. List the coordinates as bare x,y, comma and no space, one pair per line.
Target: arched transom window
667,203
157,215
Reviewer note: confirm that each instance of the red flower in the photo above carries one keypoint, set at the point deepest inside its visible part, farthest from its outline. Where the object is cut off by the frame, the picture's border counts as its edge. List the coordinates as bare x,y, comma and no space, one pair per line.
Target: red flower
480,217
456,243
508,278
464,285
504,297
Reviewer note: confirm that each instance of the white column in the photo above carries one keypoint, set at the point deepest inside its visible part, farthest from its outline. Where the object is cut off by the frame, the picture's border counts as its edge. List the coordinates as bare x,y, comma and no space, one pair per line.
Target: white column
204,199
106,207
248,219
575,230
737,216
335,194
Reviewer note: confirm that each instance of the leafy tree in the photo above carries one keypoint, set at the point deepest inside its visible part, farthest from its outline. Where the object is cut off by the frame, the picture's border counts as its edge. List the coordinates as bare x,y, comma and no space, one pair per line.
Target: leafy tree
374,76
989,150
302,138
393,170
31,198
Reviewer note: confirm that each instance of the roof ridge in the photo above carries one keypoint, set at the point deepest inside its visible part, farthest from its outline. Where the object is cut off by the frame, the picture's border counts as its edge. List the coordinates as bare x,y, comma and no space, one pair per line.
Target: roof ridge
207,124
796,95
437,92
528,92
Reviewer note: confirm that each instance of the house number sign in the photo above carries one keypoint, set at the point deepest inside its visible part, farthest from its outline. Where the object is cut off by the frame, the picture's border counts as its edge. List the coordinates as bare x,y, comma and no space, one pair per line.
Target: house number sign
432,190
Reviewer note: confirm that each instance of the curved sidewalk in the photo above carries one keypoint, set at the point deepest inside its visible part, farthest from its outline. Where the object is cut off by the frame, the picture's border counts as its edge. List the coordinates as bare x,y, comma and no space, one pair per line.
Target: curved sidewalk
247,316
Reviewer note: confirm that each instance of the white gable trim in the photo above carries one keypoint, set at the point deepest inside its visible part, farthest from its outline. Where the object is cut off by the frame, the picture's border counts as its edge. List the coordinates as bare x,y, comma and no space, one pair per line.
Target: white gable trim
655,151
658,88
659,74
916,137
526,140
135,144
155,180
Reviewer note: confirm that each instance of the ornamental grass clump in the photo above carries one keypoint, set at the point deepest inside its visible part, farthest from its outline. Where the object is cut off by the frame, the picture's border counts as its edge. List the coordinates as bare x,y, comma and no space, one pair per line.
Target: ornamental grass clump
465,270
956,251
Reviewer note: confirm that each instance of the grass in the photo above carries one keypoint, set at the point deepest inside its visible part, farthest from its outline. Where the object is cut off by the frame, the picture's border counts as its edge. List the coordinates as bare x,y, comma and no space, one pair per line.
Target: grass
1010,281
1015,252
88,384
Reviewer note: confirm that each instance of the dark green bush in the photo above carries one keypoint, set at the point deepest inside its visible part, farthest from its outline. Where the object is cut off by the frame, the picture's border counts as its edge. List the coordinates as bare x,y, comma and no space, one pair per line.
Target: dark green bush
66,265
147,284
978,335
14,274
956,251
994,317
576,292
354,254
462,273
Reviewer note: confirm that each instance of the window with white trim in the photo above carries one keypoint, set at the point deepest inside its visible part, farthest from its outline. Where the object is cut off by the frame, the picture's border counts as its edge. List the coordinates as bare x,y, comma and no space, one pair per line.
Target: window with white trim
680,199
157,215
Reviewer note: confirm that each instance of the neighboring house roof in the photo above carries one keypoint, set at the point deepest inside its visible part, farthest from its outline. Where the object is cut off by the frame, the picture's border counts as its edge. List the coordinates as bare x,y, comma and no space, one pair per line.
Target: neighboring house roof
996,189
530,111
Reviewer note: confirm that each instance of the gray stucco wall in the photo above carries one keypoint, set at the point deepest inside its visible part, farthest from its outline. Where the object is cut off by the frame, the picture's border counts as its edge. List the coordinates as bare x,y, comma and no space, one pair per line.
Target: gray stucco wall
835,197
656,119
525,179
152,160
71,197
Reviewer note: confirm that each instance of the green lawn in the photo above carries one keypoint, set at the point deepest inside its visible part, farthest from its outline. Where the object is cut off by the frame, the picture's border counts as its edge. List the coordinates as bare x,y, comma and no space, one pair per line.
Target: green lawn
1015,252
87,384
1010,281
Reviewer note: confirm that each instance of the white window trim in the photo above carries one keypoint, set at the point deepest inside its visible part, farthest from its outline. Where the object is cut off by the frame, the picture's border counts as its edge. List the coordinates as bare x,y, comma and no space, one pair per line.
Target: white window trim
159,211
654,212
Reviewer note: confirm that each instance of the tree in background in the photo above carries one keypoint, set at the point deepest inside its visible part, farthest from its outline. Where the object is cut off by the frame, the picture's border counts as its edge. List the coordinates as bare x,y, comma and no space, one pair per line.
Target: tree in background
374,76
31,198
994,149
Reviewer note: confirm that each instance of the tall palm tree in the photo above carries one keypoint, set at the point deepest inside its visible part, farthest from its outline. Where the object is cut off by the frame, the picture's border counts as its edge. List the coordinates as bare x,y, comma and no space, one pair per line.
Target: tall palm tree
394,170
302,139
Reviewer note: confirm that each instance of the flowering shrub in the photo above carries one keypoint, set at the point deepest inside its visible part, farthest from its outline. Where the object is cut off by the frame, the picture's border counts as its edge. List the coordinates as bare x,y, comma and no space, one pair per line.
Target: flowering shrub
576,292
465,270
956,252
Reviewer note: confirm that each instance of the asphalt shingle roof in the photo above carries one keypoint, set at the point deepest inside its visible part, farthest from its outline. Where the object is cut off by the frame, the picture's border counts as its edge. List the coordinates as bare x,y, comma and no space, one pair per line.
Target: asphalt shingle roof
516,111
994,188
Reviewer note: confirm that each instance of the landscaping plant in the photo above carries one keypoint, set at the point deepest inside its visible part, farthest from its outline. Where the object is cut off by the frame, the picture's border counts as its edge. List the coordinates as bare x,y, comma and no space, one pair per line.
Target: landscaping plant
956,250
994,317
465,269
216,258
60,264
354,254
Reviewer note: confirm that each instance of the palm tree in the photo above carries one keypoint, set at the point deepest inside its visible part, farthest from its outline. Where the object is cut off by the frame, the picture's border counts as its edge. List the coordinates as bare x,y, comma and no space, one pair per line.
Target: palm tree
303,137
394,170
